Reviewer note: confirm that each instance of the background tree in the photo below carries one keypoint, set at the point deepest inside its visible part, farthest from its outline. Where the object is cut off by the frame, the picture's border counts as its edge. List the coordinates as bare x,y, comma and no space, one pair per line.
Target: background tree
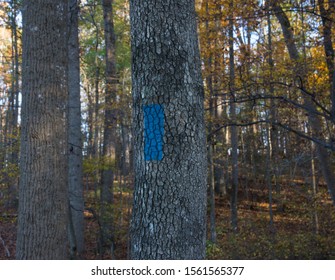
232,112
327,17
75,180
10,58
110,118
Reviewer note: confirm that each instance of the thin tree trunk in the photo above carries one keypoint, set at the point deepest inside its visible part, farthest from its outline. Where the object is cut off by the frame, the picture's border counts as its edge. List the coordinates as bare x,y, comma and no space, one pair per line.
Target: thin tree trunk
218,160
12,149
13,100
96,110
315,191
327,16
2,143
273,110
211,194
96,150
108,150
234,136
211,182
110,95
268,178
272,138
75,179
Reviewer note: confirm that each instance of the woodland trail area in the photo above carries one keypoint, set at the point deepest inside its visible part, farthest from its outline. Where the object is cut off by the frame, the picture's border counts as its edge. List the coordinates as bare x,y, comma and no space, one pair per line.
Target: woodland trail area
293,235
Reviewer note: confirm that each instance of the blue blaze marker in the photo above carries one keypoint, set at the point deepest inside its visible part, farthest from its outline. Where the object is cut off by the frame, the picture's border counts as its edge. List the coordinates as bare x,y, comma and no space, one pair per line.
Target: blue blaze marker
153,131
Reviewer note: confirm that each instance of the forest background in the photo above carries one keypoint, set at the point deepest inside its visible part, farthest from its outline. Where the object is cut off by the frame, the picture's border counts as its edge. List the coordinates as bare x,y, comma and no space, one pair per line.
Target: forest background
268,71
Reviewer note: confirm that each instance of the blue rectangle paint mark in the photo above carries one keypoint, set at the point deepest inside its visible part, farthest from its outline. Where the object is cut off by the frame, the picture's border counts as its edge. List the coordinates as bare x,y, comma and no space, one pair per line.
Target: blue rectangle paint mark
153,131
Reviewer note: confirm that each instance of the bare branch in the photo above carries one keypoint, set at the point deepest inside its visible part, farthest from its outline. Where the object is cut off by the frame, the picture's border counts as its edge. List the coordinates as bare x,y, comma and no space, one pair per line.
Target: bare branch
279,124
5,247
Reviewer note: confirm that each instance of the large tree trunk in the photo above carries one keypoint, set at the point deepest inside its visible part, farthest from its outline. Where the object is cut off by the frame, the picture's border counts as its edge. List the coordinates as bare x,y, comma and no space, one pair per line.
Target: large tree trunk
76,197
169,212
43,193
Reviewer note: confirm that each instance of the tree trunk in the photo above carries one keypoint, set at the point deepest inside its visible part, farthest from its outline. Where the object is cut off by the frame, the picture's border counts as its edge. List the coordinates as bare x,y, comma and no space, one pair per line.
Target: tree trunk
232,111
268,177
76,198
169,212
12,150
327,16
43,193
314,186
273,110
110,95
15,83
211,183
211,179
108,150
96,142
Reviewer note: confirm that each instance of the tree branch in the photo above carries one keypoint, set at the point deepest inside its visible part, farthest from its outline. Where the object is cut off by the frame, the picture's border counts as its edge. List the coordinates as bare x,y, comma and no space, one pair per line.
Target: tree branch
5,247
279,124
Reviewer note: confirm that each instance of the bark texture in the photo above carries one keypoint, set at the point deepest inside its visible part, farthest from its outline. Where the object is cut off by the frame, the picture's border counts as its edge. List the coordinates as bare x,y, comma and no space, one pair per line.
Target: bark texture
169,212
76,196
43,201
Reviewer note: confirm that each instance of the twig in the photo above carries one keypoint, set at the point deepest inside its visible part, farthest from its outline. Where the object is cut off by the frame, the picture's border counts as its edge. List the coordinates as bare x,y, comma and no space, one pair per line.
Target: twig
4,245
329,146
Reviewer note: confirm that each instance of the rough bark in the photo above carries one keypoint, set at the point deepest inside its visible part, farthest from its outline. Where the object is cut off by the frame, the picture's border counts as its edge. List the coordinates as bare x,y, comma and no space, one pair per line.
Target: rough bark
169,211
43,193
75,181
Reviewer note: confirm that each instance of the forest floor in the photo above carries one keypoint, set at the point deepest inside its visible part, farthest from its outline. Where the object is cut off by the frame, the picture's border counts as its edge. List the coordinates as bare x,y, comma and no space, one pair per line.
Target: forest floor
301,228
